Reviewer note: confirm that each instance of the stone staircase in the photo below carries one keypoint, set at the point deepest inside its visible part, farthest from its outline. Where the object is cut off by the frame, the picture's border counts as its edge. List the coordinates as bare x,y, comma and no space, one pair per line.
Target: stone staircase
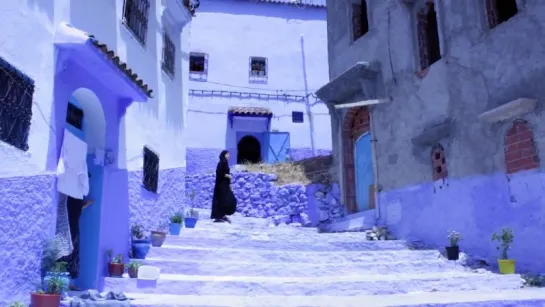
249,263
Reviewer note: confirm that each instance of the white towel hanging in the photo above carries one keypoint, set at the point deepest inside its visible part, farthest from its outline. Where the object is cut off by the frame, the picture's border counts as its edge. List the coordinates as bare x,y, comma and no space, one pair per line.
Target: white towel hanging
72,175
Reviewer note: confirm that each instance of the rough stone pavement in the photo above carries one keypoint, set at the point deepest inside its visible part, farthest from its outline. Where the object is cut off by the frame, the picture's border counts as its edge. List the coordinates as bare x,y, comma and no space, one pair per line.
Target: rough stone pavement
250,263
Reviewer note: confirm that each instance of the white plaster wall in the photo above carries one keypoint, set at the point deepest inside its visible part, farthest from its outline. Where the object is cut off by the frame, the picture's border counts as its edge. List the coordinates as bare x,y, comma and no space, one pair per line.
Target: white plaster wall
231,32
26,41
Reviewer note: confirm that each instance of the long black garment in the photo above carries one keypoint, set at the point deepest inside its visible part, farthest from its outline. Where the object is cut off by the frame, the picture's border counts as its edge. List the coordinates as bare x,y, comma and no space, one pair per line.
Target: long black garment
223,201
75,207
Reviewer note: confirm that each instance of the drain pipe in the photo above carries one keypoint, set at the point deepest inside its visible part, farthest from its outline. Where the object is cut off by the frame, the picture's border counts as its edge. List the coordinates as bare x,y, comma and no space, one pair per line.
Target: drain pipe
375,166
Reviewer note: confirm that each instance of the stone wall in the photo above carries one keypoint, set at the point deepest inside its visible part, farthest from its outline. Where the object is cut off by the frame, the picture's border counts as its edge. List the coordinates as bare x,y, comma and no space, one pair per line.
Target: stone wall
257,196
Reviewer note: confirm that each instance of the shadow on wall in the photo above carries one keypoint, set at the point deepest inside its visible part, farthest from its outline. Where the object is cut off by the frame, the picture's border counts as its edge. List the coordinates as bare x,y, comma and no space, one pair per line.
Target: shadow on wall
277,10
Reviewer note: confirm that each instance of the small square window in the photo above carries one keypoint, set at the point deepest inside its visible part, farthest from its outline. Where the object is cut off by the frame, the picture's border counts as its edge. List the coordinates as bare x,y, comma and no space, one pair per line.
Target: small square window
297,117
74,116
151,170
258,67
197,63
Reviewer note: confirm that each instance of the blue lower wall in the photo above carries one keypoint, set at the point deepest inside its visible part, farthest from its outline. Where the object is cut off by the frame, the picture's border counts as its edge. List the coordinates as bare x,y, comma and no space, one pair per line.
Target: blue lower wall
204,160
27,218
28,214
476,207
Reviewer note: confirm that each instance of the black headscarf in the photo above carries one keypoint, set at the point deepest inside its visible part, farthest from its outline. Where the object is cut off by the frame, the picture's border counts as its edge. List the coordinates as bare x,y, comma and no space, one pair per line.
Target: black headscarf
222,156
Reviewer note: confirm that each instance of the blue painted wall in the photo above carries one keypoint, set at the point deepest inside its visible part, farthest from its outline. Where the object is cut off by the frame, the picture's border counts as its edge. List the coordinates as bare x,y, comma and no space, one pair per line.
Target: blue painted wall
293,40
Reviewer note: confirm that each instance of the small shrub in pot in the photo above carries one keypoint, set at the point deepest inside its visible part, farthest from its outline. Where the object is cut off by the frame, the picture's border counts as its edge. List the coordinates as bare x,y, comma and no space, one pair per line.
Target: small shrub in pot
132,268
159,235
505,238
140,243
116,267
176,221
48,295
453,251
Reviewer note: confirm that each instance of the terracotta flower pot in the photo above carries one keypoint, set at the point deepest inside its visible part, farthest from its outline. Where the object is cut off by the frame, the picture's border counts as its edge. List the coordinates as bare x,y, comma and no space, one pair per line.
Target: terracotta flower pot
158,238
45,300
116,269
133,272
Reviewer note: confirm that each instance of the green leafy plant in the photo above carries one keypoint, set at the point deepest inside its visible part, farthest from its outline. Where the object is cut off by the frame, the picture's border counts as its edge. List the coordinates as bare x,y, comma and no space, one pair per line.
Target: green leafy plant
17,304
60,267
192,213
137,231
177,218
53,285
133,265
454,237
118,259
505,239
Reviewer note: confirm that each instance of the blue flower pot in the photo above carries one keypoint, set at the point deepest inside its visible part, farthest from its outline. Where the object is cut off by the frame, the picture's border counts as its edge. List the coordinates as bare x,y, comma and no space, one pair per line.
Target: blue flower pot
64,276
140,248
174,229
190,222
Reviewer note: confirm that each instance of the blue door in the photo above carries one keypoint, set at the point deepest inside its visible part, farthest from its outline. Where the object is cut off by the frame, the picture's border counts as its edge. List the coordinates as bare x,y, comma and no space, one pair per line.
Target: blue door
364,171
278,146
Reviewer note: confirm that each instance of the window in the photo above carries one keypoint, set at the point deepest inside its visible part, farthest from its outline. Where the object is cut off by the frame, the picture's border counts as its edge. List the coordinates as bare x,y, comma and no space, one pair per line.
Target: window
499,11
197,63
169,55
135,17
428,36
74,116
297,117
16,92
258,67
360,23
439,162
151,170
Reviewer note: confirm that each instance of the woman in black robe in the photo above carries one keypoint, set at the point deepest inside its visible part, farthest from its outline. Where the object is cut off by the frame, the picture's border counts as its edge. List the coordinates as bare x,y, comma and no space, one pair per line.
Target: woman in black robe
224,202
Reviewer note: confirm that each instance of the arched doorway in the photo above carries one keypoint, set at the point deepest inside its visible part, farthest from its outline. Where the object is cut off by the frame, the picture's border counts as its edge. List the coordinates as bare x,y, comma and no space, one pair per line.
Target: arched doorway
357,162
248,150
85,119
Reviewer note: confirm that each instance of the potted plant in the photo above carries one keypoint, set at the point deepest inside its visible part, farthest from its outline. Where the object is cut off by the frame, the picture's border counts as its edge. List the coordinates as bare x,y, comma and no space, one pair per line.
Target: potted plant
59,270
176,223
48,295
116,267
505,239
192,215
159,235
132,268
453,251
140,244
51,266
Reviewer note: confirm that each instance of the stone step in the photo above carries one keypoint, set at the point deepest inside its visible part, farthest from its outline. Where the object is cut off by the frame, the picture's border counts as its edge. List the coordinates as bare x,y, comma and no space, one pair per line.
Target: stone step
299,269
269,256
505,298
334,285
265,242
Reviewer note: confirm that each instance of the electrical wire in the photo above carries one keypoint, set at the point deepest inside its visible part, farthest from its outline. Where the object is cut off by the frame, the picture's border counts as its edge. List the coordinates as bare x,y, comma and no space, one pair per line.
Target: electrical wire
257,88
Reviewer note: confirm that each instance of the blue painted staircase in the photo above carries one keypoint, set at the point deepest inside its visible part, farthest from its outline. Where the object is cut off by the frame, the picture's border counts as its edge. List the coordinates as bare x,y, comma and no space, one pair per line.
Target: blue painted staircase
249,263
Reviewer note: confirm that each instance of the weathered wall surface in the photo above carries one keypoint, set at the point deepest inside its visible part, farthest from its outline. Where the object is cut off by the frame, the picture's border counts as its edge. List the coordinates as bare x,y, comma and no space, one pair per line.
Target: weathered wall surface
480,69
257,196
298,68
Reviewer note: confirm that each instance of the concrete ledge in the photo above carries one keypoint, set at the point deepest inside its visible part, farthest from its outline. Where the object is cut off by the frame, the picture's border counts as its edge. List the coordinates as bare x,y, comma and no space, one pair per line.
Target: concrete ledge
514,108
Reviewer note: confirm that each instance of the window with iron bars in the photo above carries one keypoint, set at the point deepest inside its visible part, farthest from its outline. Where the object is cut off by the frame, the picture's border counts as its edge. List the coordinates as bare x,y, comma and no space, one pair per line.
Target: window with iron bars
297,117
258,67
16,93
169,55
151,170
135,17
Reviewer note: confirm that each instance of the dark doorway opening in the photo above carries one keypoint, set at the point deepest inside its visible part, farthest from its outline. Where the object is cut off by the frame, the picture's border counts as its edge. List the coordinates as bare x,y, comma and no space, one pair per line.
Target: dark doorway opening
248,150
